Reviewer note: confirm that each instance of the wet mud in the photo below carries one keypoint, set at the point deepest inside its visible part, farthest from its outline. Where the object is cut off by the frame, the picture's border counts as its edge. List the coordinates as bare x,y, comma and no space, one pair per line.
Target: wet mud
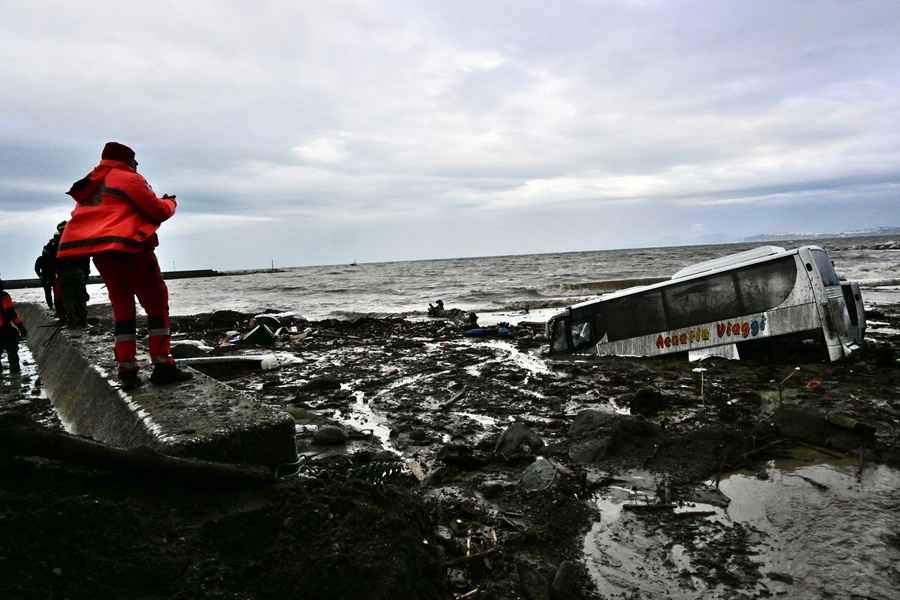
434,465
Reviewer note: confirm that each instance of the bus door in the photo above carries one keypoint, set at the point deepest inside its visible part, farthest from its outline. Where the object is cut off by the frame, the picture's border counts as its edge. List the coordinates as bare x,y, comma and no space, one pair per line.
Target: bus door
829,299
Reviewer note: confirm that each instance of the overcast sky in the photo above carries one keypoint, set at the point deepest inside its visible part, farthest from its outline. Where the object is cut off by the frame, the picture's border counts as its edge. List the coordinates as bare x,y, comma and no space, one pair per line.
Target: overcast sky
327,132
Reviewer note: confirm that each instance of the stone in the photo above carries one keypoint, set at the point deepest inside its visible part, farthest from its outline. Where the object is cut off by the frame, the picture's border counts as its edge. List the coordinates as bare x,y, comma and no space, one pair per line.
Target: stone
330,435
645,402
492,488
518,440
589,451
321,384
185,349
532,584
538,476
565,584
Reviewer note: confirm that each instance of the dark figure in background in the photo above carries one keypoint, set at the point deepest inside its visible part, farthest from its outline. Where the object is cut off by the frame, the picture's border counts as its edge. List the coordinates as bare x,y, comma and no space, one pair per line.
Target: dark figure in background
11,329
45,267
46,273
73,274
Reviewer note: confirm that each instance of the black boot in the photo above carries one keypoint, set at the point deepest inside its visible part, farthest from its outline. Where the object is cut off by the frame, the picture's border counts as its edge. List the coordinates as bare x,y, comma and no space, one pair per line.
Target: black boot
130,380
166,374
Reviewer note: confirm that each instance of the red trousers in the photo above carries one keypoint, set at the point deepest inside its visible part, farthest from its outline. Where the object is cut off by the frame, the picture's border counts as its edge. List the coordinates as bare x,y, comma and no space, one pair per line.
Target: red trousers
126,276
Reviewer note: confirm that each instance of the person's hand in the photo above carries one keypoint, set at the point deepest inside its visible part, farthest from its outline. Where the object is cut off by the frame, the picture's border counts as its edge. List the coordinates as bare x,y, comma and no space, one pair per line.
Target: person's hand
168,196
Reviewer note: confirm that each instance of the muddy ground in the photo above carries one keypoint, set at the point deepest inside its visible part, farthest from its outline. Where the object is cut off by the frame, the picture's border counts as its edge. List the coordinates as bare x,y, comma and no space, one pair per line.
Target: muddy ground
434,465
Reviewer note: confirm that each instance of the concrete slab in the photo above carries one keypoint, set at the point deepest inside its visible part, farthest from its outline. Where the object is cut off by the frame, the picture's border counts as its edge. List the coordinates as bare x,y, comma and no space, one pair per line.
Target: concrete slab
202,418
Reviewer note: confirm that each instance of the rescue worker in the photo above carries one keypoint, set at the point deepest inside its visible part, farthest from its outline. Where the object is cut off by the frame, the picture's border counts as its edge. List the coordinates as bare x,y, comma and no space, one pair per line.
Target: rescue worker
115,220
46,274
73,275
47,263
11,329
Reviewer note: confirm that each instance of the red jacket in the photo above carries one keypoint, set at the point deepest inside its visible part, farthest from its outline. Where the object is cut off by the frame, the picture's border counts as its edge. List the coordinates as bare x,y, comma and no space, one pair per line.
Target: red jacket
116,211
8,312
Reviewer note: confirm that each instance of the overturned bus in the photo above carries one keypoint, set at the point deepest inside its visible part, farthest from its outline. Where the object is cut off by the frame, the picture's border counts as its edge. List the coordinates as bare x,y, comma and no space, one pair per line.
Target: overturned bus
737,300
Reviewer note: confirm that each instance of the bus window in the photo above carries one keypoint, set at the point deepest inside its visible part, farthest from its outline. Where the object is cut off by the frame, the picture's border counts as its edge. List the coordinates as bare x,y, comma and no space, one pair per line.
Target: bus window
825,268
702,300
635,315
581,334
766,285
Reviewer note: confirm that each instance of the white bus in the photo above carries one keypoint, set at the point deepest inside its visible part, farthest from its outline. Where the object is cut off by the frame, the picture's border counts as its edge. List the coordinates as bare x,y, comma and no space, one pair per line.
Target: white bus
734,300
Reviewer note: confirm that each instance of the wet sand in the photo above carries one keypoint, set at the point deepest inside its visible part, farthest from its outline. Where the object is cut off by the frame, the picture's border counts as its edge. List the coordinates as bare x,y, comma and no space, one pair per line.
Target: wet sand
435,466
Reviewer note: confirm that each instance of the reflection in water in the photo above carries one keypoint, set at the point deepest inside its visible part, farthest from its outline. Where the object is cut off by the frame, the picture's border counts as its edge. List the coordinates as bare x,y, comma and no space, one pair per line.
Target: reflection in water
806,531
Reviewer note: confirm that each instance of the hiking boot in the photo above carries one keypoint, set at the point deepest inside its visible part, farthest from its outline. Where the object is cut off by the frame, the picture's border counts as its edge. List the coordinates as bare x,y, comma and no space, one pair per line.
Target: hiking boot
167,374
130,380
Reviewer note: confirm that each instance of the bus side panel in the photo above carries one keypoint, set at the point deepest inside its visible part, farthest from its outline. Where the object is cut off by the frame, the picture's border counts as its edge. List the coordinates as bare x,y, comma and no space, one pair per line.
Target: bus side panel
771,323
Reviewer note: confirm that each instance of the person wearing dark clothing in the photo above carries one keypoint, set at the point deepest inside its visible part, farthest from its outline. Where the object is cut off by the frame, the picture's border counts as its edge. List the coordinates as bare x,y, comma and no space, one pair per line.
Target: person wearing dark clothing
72,275
43,271
11,329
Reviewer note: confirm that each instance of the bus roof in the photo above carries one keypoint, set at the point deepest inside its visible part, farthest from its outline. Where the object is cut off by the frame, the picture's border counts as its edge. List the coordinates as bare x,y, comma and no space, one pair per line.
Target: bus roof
724,263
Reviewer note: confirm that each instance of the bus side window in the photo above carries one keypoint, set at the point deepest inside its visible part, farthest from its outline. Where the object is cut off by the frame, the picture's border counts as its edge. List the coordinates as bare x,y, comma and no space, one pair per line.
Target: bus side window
825,268
766,285
701,301
635,315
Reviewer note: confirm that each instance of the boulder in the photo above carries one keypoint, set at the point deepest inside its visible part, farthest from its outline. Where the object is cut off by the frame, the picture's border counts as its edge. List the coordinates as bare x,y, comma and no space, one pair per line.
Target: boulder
532,583
325,383
330,435
538,476
565,584
517,441
646,402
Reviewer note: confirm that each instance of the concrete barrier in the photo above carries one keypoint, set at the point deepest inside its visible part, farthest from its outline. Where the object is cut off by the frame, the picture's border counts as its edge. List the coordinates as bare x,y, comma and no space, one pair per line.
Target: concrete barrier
202,418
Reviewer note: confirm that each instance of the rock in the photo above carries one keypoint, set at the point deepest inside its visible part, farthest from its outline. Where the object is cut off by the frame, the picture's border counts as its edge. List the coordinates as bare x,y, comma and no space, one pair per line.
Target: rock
589,451
646,402
321,384
185,349
565,584
533,585
461,456
803,424
596,435
418,435
538,476
518,440
330,435
458,580
588,423
492,488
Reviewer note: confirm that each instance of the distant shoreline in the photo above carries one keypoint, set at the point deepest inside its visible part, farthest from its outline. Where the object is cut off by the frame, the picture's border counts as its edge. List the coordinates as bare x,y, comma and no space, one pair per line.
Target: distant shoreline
21,284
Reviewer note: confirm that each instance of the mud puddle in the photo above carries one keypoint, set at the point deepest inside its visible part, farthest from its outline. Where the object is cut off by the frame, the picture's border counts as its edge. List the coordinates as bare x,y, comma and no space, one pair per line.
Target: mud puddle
795,528
23,392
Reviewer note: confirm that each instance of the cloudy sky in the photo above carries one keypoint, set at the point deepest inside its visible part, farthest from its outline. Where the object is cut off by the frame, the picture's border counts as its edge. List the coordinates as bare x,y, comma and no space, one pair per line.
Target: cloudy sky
326,132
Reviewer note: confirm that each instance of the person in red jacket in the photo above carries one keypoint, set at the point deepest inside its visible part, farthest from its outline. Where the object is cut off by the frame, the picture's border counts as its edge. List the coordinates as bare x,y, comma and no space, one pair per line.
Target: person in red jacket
115,220
11,330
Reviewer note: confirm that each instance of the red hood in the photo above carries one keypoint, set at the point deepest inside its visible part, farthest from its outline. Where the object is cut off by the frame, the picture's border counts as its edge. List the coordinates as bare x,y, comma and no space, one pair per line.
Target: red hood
86,188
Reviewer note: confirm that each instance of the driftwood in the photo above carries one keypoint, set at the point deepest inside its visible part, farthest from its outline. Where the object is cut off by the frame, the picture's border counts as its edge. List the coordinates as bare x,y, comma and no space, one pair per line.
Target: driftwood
20,436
